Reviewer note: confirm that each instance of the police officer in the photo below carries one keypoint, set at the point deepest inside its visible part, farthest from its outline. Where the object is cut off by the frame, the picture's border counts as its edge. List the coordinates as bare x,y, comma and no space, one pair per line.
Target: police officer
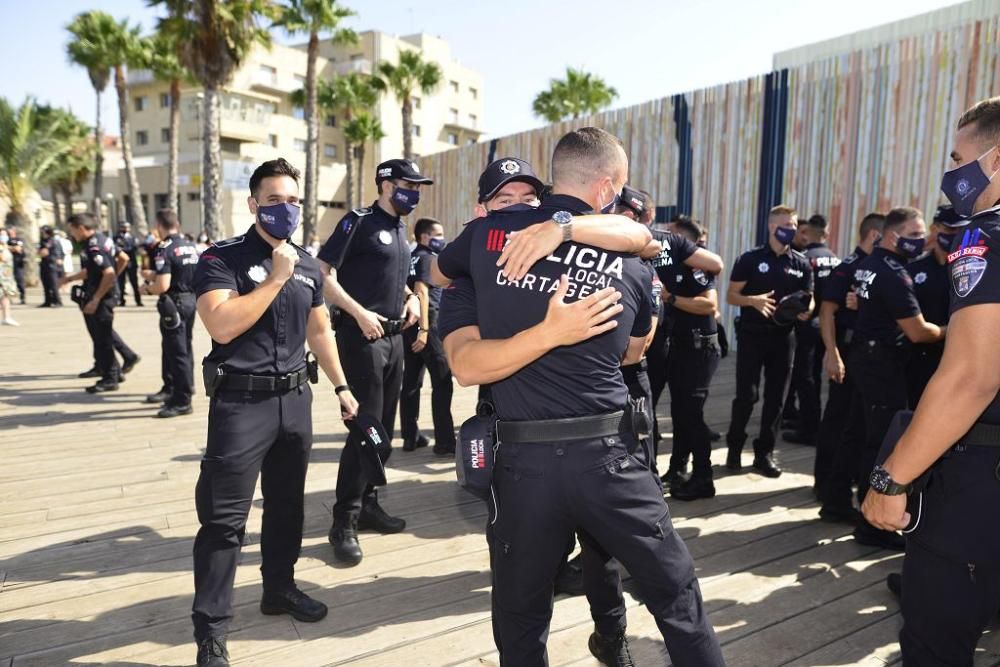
842,428
760,279
367,261
100,296
174,284
888,315
50,254
951,585
130,246
807,367
930,284
261,299
17,249
694,355
561,414
422,349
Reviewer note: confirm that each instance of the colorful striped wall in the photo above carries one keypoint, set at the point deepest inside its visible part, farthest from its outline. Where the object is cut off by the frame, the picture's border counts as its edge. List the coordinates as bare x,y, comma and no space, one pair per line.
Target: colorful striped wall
840,136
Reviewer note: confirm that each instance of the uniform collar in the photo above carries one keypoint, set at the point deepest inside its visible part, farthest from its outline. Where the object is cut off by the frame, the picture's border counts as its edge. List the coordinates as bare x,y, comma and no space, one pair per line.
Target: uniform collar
378,210
787,252
255,238
888,253
859,251
811,246
995,210
567,202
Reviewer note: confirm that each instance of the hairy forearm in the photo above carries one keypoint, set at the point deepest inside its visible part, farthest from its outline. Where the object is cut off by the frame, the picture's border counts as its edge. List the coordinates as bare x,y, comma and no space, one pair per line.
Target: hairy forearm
425,305
324,346
696,305
611,232
107,280
337,296
477,361
233,317
828,325
706,260
734,298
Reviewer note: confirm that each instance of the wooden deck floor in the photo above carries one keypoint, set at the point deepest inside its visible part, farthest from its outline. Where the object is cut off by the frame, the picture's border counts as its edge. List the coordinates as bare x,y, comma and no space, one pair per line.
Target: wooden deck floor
98,520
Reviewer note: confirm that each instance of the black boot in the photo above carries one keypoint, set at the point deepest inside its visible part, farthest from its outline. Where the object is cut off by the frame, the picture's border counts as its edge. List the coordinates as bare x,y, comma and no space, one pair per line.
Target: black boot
295,603
694,488
733,460
159,397
373,517
92,373
611,651
765,465
411,445
129,364
102,386
212,652
674,477
344,538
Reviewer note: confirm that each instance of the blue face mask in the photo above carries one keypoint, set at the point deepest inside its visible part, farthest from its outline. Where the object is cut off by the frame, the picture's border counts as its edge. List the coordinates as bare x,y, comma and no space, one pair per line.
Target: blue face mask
963,185
910,248
436,244
405,200
279,220
784,235
945,241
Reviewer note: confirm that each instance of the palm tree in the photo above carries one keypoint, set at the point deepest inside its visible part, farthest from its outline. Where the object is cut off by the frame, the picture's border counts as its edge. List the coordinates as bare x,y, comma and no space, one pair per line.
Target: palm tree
314,17
166,66
213,39
357,132
66,175
410,75
580,93
89,48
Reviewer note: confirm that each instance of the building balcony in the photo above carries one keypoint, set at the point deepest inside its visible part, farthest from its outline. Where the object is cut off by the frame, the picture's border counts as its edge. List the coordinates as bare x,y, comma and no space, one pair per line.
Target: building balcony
272,83
361,66
136,77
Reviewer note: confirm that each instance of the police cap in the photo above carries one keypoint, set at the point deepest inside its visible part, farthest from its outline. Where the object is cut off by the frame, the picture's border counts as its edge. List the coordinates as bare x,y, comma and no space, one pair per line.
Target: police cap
945,215
790,307
503,171
634,200
374,446
404,170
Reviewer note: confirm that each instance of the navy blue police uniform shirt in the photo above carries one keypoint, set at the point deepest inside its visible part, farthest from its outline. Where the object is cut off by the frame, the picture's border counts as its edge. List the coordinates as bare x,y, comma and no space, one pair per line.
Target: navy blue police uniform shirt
823,262
930,283
55,250
572,381
374,266
841,281
688,282
763,271
18,257
127,244
98,254
885,294
974,275
177,257
275,343
420,270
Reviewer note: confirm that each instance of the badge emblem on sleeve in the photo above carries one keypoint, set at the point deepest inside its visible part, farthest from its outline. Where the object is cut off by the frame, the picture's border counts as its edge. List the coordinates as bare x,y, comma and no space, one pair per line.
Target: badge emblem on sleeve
763,267
384,237
966,274
920,278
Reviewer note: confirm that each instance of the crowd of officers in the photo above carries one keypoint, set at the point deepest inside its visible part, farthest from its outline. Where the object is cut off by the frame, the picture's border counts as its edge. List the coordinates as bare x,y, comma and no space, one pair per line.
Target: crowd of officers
573,311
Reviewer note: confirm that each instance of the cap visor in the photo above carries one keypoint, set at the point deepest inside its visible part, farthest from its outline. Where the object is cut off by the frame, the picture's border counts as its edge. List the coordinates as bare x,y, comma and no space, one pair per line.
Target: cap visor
530,180
418,179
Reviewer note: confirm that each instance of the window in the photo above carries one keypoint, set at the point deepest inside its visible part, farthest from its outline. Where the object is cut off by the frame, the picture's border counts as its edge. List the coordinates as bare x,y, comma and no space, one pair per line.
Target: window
474,92
161,200
454,116
300,145
298,113
330,151
452,138
300,79
272,140
165,135
164,100
472,142
142,137
416,130
473,119
331,121
454,86
194,196
416,102
357,56
267,69
140,103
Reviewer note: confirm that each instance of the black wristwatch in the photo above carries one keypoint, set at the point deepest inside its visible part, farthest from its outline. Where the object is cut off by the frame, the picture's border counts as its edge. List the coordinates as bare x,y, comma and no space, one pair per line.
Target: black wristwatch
672,299
340,389
882,482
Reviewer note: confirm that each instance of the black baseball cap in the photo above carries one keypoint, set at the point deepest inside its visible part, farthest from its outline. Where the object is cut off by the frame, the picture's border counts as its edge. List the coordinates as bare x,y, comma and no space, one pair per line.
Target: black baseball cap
404,170
945,215
374,447
503,171
790,307
634,200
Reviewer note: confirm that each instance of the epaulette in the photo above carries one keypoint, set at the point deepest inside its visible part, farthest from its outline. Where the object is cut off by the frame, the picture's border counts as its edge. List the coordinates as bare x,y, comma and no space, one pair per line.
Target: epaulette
362,212
228,242
893,264
799,253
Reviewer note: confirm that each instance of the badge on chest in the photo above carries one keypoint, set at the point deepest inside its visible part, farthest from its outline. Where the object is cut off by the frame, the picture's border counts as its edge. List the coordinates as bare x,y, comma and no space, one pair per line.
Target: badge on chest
385,238
257,273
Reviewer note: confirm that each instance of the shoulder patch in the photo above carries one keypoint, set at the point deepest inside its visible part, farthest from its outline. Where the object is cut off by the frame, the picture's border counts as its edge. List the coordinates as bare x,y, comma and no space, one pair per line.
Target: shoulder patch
361,212
893,264
236,240
165,244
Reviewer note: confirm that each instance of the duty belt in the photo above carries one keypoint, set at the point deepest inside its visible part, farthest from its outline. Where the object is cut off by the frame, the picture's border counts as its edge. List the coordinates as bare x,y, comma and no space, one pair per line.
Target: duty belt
559,430
389,327
982,435
252,383
698,340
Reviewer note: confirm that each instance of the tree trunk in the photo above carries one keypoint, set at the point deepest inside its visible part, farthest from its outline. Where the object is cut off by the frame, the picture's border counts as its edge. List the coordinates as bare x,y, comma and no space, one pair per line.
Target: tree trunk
137,212
407,128
312,141
98,162
361,158
175,139
67,194
349,163
56,209
211,170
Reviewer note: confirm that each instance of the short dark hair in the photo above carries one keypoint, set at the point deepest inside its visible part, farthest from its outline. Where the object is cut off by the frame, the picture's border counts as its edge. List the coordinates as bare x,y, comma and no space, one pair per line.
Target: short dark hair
585,154
424,226
85,220
269,169
986,116
899,215
817,221
167,217
871,221
693,228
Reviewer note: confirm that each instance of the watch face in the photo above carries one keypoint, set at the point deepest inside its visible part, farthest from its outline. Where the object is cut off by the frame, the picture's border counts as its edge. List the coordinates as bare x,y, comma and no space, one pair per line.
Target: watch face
879,479
562,217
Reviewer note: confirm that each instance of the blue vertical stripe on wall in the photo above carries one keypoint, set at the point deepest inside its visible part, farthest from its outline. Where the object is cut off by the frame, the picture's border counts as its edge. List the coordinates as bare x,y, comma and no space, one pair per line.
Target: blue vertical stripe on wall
493,153
685,152
772,153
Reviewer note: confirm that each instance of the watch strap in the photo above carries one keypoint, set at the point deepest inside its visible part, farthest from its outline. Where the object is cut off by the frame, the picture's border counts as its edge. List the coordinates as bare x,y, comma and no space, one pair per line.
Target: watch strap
567,232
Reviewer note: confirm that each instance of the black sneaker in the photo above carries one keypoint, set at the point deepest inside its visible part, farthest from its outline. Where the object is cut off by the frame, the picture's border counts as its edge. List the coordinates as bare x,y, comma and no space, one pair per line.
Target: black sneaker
674,477
102,386
373,517
293,602
444,451
212,652
611,651
412,445
871,536
92,373
344,538
894,582
715,436
569,579
693,489
765,465
733,461
159,397
129,364
168,411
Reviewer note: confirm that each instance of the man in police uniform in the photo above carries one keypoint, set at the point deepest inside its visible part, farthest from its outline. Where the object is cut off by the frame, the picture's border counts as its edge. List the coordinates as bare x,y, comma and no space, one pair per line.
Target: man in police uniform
951,584
888,315
50,254
542,490
422,349
807,367
366,262
930,284
261,299
17,248
842,428
100,296
129,245
175,268
760,279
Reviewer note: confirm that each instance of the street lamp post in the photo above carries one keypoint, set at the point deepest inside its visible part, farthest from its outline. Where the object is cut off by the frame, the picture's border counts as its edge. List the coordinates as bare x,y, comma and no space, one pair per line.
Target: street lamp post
201,163
112,211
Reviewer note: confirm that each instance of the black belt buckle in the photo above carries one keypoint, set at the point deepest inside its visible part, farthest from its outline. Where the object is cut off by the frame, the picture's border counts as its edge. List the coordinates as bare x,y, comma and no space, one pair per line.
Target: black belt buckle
392,327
